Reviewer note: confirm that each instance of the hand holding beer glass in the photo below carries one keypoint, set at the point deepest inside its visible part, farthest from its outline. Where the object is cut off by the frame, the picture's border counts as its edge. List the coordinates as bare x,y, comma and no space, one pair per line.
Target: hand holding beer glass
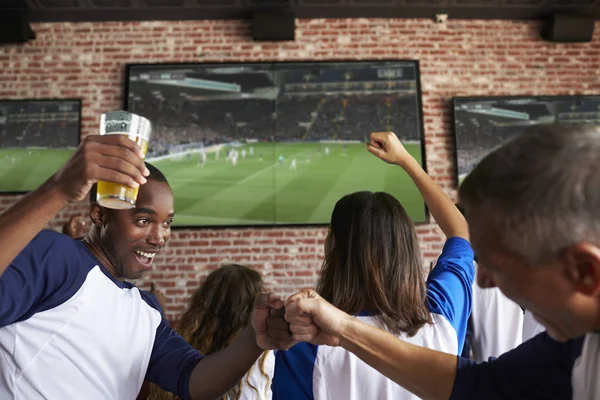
136,128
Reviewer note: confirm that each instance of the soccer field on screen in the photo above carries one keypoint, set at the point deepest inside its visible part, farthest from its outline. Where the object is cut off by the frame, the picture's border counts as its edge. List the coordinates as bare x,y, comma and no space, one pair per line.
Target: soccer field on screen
23,170
262,189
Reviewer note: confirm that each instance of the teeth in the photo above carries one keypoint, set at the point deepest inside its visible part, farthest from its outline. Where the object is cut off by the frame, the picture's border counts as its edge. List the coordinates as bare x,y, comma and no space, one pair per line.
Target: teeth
149,255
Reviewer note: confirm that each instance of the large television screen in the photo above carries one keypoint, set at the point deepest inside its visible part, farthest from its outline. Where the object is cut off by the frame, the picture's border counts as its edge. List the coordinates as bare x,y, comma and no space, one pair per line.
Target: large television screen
484,123
36,139
276,143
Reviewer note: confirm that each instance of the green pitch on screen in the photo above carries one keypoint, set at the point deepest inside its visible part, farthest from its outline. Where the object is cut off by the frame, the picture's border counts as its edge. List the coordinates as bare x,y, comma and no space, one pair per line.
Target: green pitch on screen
23,170
263,190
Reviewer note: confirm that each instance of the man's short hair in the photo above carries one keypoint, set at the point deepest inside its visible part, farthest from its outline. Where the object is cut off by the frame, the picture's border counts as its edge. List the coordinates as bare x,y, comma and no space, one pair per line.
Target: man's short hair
540,191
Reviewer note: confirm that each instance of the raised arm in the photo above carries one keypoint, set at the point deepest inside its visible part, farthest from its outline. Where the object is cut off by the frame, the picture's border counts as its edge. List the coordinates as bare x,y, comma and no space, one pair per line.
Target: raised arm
387,147
111,157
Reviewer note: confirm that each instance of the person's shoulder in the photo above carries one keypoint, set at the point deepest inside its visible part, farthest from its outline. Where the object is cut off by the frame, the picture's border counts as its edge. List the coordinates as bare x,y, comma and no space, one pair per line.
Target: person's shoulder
48,235
148,297
49,240
457,242
457,247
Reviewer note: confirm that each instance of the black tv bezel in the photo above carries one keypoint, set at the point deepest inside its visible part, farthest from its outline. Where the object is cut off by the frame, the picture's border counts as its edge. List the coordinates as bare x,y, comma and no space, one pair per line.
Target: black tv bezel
425,221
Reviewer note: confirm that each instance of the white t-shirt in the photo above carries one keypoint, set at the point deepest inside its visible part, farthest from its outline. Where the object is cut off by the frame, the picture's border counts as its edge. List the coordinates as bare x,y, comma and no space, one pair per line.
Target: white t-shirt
256,379
531,327
585,382
497,323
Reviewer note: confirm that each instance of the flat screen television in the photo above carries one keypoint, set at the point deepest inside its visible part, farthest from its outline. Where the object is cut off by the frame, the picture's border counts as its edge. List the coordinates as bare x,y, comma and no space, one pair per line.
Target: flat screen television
276,143
484,123
36,139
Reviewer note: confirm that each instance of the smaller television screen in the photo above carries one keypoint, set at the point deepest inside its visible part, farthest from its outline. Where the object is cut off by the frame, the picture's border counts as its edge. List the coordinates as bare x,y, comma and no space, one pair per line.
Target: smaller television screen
36,139
484,123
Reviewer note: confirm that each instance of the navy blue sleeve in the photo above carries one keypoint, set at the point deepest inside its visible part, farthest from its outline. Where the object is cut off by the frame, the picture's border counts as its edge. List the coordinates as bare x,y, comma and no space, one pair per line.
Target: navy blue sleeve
450,285
293,376
46,273
540,368
173,359
150,299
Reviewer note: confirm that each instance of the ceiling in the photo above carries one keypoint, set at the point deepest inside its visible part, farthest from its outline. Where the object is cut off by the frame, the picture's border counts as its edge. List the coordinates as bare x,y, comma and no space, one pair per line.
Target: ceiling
137,10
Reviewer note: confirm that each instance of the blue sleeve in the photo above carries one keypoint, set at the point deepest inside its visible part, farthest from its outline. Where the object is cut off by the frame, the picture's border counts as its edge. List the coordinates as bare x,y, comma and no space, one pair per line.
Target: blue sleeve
450,285
173,359
293,376
540,368
46,273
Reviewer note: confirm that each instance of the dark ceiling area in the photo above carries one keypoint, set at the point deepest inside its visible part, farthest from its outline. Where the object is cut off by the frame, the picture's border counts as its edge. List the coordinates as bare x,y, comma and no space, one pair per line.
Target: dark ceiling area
138,10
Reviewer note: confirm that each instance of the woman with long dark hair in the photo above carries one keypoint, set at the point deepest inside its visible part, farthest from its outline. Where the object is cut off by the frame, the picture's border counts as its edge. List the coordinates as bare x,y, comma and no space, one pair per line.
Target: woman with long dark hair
373,269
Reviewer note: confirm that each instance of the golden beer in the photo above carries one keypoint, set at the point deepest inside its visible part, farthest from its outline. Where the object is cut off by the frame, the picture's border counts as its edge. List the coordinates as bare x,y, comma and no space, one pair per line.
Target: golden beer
136,128
115,195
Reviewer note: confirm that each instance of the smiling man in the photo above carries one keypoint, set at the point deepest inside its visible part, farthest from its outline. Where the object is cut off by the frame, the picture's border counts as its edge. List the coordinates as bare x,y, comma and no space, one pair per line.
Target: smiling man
70,326
142,231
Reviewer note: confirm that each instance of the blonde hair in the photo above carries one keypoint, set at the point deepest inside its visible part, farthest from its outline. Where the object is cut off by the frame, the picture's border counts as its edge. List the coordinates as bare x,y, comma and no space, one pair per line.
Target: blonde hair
219,310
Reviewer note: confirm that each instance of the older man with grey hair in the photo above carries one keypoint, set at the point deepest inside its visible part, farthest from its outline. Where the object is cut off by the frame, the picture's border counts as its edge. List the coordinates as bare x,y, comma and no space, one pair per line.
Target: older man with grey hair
533,208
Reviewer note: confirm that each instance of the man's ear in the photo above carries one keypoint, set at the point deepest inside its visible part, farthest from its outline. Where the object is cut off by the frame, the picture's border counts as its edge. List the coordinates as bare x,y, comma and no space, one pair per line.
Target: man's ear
582,263
98,214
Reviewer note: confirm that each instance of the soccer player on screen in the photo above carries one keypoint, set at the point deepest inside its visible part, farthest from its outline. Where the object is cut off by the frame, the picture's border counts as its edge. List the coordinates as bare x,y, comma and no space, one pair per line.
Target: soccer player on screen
202,160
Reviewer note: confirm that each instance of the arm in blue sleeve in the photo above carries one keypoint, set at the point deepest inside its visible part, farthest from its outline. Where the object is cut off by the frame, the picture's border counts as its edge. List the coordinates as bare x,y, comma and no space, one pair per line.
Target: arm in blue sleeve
450,285
293,376
45,274
172,361
540,368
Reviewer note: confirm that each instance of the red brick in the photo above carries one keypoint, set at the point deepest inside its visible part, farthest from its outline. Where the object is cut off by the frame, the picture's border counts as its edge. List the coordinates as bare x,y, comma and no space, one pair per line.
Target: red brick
305,273
206,250
220,242
273,233
188,251
284,242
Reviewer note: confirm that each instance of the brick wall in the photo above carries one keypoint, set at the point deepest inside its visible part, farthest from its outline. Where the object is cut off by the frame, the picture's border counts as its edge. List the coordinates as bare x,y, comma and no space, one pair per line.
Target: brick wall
463,58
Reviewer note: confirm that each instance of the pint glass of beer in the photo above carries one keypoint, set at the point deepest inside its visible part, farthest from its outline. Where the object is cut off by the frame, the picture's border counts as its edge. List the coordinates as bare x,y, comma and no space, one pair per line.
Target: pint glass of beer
136,128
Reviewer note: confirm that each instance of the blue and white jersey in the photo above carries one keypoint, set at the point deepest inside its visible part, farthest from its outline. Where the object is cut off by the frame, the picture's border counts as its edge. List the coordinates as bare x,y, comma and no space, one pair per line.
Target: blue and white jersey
321,372
540,368
69,330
